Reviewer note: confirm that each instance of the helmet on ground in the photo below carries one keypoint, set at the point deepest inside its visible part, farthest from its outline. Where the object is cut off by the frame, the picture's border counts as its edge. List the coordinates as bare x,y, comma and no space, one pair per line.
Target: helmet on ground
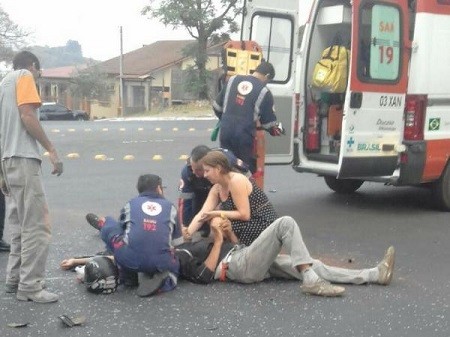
101,275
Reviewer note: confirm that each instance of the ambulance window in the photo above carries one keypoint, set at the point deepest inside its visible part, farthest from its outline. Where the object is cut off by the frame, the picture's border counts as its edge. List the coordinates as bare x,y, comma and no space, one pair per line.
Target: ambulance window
379,45
274,34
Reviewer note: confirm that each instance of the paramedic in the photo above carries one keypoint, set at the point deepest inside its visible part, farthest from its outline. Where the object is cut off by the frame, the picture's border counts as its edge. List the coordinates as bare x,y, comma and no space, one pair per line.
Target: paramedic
142,241
244,101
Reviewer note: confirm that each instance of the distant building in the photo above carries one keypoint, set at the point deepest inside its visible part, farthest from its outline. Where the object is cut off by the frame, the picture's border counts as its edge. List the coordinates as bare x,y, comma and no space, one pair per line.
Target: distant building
54,86
153,78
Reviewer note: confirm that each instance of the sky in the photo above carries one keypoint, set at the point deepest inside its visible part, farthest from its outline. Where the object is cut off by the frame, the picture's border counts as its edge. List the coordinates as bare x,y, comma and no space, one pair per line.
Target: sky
93,23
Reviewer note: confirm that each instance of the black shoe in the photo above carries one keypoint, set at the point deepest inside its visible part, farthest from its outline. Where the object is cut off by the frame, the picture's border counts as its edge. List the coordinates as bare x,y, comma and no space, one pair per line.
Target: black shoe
4,247
93,220
150,284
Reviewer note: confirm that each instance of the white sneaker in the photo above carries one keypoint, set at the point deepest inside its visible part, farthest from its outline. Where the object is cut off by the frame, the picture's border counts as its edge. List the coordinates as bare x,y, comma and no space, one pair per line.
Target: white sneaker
322,288
386,267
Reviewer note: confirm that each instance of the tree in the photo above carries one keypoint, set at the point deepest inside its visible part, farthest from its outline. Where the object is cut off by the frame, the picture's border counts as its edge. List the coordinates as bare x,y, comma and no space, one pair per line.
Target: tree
205,20
12,37
91,83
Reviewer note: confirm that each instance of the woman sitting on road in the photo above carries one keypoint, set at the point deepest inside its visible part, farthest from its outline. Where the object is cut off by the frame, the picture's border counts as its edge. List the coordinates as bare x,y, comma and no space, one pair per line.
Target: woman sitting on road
235,197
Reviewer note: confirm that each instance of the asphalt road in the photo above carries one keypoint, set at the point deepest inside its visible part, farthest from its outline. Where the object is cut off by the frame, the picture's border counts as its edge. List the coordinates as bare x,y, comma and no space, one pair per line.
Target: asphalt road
350,231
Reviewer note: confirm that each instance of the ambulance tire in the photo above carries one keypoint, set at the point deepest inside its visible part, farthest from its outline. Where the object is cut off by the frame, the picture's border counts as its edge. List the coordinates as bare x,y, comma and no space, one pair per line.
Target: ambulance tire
343,186
441,190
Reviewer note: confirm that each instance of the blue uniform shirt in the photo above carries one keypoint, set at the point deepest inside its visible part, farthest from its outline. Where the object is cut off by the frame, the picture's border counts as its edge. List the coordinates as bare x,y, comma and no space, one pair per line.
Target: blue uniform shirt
243,101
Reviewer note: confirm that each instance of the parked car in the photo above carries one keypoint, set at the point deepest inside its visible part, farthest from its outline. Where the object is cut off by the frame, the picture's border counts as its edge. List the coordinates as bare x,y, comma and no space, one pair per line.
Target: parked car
58,111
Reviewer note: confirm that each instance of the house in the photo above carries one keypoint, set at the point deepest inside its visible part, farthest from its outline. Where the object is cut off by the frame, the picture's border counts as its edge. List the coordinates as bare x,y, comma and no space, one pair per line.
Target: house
54,86
153,78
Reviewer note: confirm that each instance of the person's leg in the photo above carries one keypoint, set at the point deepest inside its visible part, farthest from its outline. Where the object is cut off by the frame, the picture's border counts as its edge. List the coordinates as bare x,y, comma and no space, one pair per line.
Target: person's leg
282,268
344,275
252,263
260,255
13,266
110,231
25,185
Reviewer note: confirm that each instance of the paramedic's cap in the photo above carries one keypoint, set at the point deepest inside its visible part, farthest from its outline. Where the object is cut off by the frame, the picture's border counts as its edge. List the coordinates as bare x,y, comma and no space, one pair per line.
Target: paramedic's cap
266,69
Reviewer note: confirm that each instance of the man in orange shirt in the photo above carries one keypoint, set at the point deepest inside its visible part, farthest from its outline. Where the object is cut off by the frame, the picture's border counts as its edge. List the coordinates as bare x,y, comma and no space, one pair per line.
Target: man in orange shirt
27,211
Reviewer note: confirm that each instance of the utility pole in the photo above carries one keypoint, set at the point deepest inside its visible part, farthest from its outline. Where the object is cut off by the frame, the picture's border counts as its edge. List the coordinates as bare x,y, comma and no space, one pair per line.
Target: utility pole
121,98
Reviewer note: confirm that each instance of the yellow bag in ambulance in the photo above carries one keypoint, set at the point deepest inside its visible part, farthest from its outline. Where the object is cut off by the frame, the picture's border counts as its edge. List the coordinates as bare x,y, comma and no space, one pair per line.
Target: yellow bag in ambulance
331,72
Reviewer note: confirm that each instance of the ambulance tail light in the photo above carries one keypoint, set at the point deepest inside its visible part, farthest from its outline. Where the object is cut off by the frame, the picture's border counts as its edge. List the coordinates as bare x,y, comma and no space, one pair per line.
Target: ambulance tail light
415,108
297,113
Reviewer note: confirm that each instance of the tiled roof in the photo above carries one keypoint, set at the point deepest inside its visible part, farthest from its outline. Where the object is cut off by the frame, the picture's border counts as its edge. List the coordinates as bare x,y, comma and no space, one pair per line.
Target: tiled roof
148,58
142,61
62,72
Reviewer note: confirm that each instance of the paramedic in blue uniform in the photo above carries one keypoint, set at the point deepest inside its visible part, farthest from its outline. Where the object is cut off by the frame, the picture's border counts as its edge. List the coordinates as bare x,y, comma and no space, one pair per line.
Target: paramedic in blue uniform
194,188
240,104
143,239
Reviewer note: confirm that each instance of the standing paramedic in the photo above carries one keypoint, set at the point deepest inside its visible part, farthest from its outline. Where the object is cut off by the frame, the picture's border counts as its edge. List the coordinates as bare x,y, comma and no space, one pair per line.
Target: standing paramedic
27,212
243,102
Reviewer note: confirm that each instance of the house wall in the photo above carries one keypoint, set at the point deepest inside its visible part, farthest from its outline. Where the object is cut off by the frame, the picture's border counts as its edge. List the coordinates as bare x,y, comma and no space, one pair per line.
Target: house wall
107,109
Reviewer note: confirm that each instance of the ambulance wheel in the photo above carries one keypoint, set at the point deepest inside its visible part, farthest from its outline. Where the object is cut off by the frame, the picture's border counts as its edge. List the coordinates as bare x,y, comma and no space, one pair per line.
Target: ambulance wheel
343,186
441,190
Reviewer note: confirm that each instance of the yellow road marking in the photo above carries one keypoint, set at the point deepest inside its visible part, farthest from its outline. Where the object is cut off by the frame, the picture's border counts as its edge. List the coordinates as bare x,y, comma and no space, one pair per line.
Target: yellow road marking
157,157
128,157
100,157
73,155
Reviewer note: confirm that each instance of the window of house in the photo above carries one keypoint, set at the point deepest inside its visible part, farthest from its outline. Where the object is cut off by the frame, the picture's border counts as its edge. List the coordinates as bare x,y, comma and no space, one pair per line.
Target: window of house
379,47
274,34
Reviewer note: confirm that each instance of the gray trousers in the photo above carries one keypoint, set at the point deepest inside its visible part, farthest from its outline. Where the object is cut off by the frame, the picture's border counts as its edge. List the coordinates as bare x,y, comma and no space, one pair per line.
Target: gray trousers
261,259
28,220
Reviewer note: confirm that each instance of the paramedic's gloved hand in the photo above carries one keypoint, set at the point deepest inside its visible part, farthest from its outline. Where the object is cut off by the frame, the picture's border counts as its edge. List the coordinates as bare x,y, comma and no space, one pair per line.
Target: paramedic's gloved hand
277,130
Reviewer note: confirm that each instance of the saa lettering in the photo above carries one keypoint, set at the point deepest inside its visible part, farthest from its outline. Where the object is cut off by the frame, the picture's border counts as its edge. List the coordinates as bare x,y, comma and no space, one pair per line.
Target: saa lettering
387,27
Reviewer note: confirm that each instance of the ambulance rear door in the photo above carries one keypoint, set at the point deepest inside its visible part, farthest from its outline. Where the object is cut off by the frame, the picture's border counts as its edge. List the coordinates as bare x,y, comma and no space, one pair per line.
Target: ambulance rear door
273,25
373,124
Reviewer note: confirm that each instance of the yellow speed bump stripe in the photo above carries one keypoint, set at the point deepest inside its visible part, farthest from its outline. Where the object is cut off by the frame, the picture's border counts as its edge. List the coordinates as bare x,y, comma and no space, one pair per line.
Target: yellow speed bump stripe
175,129
45,154
128,157
55,130
105,129
100,157
87,130
184,157
157,157
158,129
122,129
191,129
140,129
73,155
71,130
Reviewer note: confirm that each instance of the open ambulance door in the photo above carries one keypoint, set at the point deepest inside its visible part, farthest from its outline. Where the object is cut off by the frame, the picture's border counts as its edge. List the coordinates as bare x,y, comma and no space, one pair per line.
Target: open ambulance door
373,124
273,25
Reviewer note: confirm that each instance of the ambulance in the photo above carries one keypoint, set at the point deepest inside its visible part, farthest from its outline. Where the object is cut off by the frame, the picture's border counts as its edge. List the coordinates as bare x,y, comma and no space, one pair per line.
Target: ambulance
390,122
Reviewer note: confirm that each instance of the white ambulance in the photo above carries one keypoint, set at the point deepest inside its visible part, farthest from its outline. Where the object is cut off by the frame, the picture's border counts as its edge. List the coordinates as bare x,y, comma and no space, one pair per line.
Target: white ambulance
391,123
